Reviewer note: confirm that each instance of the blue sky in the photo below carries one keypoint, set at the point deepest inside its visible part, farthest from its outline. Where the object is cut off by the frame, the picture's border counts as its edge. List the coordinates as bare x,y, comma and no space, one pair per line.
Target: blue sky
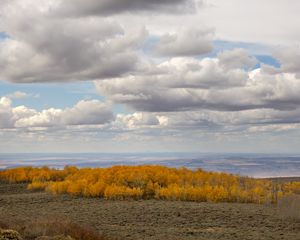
57,95
3,35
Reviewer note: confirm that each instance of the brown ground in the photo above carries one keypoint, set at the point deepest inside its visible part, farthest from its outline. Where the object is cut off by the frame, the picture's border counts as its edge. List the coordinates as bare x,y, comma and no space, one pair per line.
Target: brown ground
151,219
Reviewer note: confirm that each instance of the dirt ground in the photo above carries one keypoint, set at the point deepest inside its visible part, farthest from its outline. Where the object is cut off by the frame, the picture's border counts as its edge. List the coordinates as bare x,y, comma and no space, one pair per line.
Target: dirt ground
151,219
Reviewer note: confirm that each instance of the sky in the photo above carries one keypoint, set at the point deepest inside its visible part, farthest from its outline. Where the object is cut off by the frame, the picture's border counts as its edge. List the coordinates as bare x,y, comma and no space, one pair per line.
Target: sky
149,76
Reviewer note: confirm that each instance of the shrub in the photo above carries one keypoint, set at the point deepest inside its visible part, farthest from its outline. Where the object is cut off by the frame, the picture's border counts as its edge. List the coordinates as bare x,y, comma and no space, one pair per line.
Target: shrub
52,228
36,185
120,192
9,235
289,206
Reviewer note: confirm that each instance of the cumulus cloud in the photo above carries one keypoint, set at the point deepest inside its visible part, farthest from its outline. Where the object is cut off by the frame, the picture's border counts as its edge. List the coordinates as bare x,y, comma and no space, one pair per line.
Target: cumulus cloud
64,49
46,118
6,114
85,112
179,84
90,112
289,59
189,84
80,40
186,42
237,58
139,120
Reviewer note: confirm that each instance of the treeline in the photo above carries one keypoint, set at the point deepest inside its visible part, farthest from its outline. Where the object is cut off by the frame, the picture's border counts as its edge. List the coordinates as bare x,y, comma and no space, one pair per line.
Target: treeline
30,174
148,182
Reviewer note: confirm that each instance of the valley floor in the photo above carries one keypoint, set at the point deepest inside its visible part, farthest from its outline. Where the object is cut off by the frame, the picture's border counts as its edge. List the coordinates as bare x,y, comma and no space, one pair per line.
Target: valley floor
151,219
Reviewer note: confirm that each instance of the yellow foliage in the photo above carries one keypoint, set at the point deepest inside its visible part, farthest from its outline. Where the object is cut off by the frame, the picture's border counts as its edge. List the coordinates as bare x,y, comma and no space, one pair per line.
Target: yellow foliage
37,185
136,182
291,187
121,192
29,174
96,190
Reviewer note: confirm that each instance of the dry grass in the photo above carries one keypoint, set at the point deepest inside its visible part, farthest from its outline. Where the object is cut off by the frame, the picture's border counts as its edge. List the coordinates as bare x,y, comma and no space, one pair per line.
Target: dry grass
147,219
289,206
51,227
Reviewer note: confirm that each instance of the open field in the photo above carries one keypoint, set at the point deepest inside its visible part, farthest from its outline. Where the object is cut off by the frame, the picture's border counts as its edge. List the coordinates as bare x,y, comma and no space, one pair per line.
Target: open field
151,219
284,179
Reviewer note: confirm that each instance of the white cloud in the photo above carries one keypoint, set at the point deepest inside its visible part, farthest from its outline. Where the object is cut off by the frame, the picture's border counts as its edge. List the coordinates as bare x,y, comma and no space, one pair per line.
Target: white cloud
64,49
138,120
183,84
185,42
46,118
84,113
289,59
5,113
90,112
237,58
18,95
